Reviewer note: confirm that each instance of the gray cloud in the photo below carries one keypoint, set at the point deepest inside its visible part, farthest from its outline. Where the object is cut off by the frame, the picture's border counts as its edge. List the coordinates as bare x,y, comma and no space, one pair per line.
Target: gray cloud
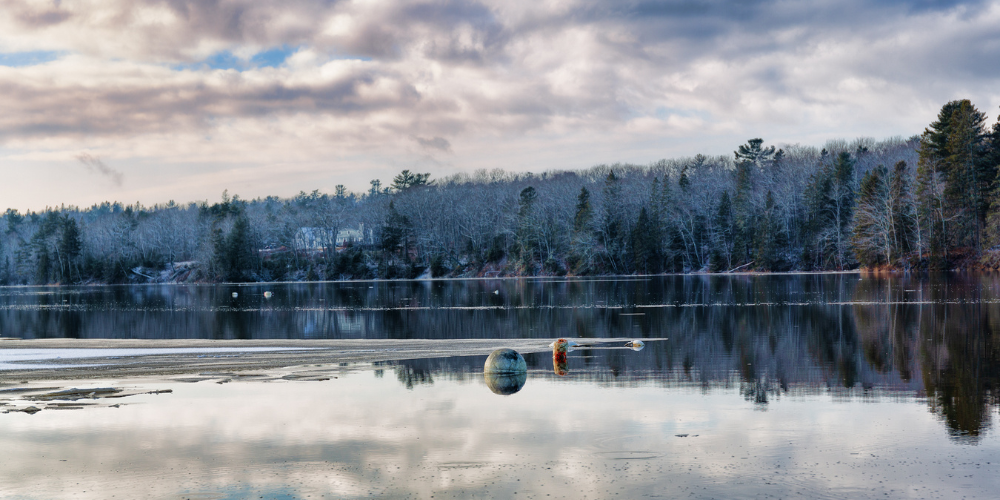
35,16
94,164
179,104
605,61
630,44
586,80
120,28
439,143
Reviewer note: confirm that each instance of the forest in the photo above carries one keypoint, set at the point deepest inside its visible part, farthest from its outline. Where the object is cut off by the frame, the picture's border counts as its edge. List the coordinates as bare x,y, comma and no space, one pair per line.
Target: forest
927,202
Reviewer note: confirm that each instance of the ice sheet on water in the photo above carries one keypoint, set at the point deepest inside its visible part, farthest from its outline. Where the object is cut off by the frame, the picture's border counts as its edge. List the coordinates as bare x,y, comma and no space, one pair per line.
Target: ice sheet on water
20,359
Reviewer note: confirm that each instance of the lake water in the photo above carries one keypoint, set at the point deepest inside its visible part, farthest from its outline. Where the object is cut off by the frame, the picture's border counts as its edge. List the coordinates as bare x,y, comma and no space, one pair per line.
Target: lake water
817,386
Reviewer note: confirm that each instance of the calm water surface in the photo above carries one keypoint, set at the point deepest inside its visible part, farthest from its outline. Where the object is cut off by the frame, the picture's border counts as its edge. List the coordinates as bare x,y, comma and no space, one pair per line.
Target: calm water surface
812,386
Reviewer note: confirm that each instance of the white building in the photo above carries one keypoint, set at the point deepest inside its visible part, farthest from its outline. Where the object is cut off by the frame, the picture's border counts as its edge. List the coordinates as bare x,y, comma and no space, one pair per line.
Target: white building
318,238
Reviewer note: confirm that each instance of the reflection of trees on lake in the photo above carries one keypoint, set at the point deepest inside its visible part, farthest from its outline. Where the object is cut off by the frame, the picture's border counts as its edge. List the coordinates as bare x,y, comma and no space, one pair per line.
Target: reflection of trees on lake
413,373
950,341
768,335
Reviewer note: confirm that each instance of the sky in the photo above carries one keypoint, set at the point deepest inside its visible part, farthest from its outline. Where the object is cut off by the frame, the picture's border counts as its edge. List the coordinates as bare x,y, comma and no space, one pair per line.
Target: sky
156,100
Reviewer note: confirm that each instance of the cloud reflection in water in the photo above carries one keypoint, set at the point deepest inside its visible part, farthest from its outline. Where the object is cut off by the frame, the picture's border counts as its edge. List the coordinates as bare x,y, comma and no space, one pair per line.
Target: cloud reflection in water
360,435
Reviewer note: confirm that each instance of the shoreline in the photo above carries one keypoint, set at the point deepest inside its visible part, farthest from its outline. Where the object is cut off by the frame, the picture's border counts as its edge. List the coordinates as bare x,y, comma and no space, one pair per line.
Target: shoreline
596,277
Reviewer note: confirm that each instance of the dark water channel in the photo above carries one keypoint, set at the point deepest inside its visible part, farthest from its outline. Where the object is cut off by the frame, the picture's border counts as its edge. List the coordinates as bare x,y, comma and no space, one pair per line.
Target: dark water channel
812,386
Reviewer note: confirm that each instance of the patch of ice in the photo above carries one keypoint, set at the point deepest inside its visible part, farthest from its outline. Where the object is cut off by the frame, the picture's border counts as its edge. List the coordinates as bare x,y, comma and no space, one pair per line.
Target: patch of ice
18,359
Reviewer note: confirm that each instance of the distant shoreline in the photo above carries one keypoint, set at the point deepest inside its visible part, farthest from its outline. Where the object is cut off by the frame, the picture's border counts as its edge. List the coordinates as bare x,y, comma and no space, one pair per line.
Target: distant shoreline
596,277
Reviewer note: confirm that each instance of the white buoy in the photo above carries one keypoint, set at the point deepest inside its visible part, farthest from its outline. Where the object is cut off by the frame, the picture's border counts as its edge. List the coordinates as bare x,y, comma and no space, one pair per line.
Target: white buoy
496,292
235,295
505,372
267,295
636,345
505,361
505,384
564,345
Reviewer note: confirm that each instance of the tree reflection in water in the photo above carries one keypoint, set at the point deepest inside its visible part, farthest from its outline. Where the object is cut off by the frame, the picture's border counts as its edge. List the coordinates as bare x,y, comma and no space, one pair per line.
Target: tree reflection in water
933,337
411,374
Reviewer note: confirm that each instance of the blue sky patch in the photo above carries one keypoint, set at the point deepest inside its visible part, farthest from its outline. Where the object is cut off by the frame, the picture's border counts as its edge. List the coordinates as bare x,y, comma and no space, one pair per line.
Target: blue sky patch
224,60
33,58
271,58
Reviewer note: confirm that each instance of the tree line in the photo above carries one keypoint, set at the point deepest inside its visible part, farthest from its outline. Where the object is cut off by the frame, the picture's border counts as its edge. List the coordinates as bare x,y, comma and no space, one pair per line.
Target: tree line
927,202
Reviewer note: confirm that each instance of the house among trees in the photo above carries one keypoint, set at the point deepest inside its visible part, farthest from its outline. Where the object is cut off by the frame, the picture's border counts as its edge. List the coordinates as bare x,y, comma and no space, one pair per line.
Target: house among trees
316,239
349,236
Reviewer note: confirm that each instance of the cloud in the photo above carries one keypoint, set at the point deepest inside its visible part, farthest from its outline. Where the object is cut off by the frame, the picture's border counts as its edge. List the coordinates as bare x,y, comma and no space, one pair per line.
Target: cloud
95,164
535,84
439,143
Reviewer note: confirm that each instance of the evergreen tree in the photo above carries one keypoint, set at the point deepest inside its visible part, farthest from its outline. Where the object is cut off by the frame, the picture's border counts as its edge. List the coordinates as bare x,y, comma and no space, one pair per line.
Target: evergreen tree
396,232
377,190
42,266
644,245
527,225
817,217
752,159
70,245
584,212
684,182
991,158
406,180
969,179
670,245
955,146
723,245
235,252
612,227
771,238
582,239
829,197
843,198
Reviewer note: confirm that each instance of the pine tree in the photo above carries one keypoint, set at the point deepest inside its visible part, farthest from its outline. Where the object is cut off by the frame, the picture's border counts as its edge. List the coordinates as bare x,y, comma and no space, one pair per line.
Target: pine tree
829,198
406,180
722,253
968,182
584,212
991,158
771,238
235,253
955,145
752,159
644,247
663,215
396,231
527,225
613,233
70,244
843,200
